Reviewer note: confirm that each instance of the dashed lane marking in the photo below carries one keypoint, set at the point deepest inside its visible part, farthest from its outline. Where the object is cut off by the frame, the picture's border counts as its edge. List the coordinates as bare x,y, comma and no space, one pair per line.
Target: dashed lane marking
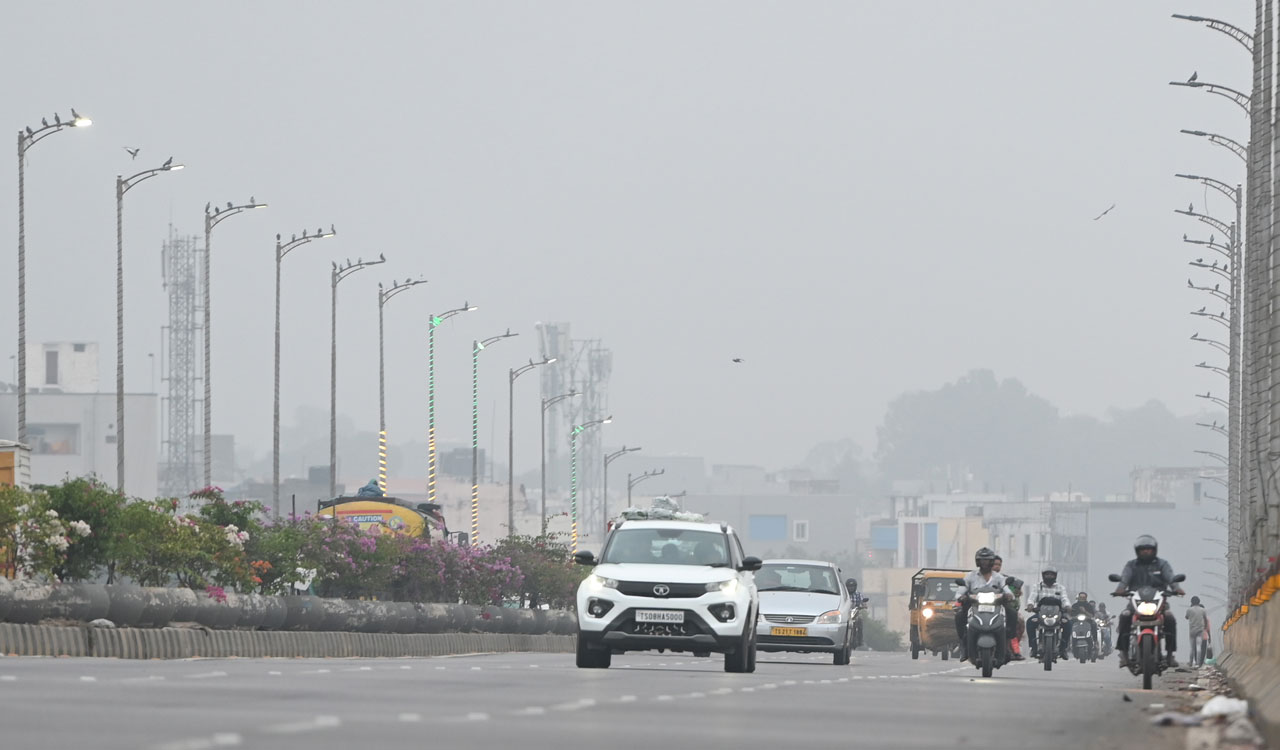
409,718
208,675
311,725
477,716
88,679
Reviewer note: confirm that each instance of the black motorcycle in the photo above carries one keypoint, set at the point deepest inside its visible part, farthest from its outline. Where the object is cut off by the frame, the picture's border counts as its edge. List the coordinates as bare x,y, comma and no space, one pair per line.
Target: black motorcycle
985,632
1146,635
1084,645
1049,612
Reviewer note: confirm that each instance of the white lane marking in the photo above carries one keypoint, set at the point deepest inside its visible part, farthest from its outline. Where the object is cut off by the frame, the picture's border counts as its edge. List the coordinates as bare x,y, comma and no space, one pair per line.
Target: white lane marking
722,691
771,686
316,671
843,679
748,690
274,673
788,682
475,669
359,669
222,739
150,678
409,717
533,666
207,675
441,669
477,716
575,705
664,698
626,699
406,667
8,678
696,695
531,711
88,679
311,725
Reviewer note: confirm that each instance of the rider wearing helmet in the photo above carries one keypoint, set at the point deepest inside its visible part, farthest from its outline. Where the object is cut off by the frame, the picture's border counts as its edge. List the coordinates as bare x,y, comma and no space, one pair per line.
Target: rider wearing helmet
984,576
1047,588
1147,569
1082,605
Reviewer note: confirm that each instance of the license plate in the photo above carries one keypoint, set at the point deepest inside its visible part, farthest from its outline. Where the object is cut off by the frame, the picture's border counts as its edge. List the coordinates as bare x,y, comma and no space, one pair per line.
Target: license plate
791,632
986,608
659,615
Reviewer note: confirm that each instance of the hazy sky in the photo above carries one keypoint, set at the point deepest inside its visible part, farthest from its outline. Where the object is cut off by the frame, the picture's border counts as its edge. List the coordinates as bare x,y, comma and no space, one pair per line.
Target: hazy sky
859,198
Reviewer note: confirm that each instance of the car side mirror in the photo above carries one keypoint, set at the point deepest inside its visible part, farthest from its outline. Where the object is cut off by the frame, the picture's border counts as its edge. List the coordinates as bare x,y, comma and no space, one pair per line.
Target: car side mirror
584,557
852,585
751,563
1179,578
1114,578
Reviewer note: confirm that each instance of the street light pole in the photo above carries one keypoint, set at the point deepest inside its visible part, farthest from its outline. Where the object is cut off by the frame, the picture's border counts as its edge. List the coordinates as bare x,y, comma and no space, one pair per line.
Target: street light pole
123,186
608,459
514,373
26,139
546,404
1232,145
211,220
573,477
435,321
283,249
478,346
385,294
1241,99
337,274
647,475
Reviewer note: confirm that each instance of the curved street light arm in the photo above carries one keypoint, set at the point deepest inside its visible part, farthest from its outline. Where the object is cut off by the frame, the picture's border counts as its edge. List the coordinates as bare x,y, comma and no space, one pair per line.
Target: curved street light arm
219,215
1213,244
128,183
31,136
295,242
1210,397
1223,271
1242,37
547,403
1211,290
482,343
1218,456
1231,193
647,475
436,320
1216,428
522,369
386,293
1219,318
1220,370
341,272
1241,99
1211,342
1217,224
1232,145
619,453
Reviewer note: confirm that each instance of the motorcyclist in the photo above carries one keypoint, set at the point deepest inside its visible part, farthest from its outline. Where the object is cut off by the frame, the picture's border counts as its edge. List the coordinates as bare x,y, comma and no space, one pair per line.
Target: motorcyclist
1082,605
1048,587
1146,569
1011,610
984,576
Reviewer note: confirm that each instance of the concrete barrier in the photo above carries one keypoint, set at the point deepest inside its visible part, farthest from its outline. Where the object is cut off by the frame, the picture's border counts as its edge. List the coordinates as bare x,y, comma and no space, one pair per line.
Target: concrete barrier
1252,662
185,643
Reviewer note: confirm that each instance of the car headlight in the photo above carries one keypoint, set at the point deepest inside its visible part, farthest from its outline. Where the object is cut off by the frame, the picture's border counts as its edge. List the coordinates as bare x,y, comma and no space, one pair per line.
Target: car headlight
601,582
828,618
987,597
926,613
1147,609
729,587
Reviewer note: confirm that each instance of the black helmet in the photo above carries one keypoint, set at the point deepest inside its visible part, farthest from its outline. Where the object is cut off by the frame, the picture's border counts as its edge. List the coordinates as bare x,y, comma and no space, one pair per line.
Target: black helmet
1146,540
1195,600
986,553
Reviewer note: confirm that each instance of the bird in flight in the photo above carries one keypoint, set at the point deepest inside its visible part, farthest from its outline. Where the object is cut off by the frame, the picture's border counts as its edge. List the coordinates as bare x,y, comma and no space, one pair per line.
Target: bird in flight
1104,213
133,152
1195,76
738,360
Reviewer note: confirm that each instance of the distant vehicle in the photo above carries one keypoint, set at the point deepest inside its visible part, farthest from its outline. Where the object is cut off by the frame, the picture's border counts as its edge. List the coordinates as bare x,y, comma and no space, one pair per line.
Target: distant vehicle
669,585
386,515
805,607
933,621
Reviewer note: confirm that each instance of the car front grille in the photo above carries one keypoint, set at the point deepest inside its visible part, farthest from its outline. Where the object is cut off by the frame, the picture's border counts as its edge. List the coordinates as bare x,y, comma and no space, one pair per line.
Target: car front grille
789,619
780,640
674,590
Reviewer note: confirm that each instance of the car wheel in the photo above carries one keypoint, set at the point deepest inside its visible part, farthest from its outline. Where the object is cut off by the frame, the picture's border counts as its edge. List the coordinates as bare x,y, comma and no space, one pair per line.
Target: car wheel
842,656
589,659
742,657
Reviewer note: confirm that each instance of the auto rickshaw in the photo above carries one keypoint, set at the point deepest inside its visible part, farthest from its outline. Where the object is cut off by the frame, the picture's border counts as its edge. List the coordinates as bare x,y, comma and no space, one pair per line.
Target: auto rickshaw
933,621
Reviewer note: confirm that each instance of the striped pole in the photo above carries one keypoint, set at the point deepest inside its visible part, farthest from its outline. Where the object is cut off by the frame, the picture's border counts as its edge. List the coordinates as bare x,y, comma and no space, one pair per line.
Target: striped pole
573,489
382,462
475,441
431,409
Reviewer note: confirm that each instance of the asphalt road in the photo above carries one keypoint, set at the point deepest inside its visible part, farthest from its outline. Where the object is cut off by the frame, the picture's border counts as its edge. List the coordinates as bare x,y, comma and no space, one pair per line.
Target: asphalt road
645,701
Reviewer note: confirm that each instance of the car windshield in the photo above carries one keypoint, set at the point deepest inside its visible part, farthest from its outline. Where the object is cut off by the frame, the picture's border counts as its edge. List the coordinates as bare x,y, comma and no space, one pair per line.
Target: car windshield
940,589
667,547
818,579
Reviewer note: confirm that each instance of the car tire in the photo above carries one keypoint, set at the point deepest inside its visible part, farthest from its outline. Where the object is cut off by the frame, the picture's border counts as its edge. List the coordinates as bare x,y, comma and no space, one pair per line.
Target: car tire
742,658
589,659
841,657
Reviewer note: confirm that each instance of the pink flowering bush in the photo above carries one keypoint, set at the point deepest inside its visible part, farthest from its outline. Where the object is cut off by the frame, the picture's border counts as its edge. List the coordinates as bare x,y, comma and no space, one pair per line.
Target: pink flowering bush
35,539
439,571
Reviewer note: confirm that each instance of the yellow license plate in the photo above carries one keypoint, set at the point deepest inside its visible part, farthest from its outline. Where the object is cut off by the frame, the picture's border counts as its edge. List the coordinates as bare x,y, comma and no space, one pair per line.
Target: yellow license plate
793,632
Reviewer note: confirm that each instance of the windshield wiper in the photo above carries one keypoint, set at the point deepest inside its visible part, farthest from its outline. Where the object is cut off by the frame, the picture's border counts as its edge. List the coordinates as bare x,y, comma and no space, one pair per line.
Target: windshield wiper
785,588
824,591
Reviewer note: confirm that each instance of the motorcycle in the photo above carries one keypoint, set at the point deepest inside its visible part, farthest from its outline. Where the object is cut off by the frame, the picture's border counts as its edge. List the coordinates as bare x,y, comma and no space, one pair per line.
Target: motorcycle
1104,637
1084,646
1146,636
987,641
1049,610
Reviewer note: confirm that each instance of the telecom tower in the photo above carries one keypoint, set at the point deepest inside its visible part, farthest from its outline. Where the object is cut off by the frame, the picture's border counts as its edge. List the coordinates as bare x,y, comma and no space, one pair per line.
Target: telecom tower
179,474
554,342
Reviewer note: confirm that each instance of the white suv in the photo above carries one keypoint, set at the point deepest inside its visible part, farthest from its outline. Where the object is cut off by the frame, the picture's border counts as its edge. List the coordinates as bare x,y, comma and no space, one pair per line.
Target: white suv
669,585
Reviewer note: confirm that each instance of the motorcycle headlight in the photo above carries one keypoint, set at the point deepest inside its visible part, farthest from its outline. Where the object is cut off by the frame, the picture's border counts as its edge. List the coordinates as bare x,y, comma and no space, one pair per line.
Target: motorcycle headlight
828,618
987,597
926,613
600,582
1147,609
1081,618
729,587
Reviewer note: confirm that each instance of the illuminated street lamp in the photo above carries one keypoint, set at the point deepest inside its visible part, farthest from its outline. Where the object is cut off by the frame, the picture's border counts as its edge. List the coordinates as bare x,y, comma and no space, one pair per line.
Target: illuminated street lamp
213,216
283,249
631,483
435,321
337,274
512,375
608,459
573,476
124,185
385,294
477,347
26,139
547,403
